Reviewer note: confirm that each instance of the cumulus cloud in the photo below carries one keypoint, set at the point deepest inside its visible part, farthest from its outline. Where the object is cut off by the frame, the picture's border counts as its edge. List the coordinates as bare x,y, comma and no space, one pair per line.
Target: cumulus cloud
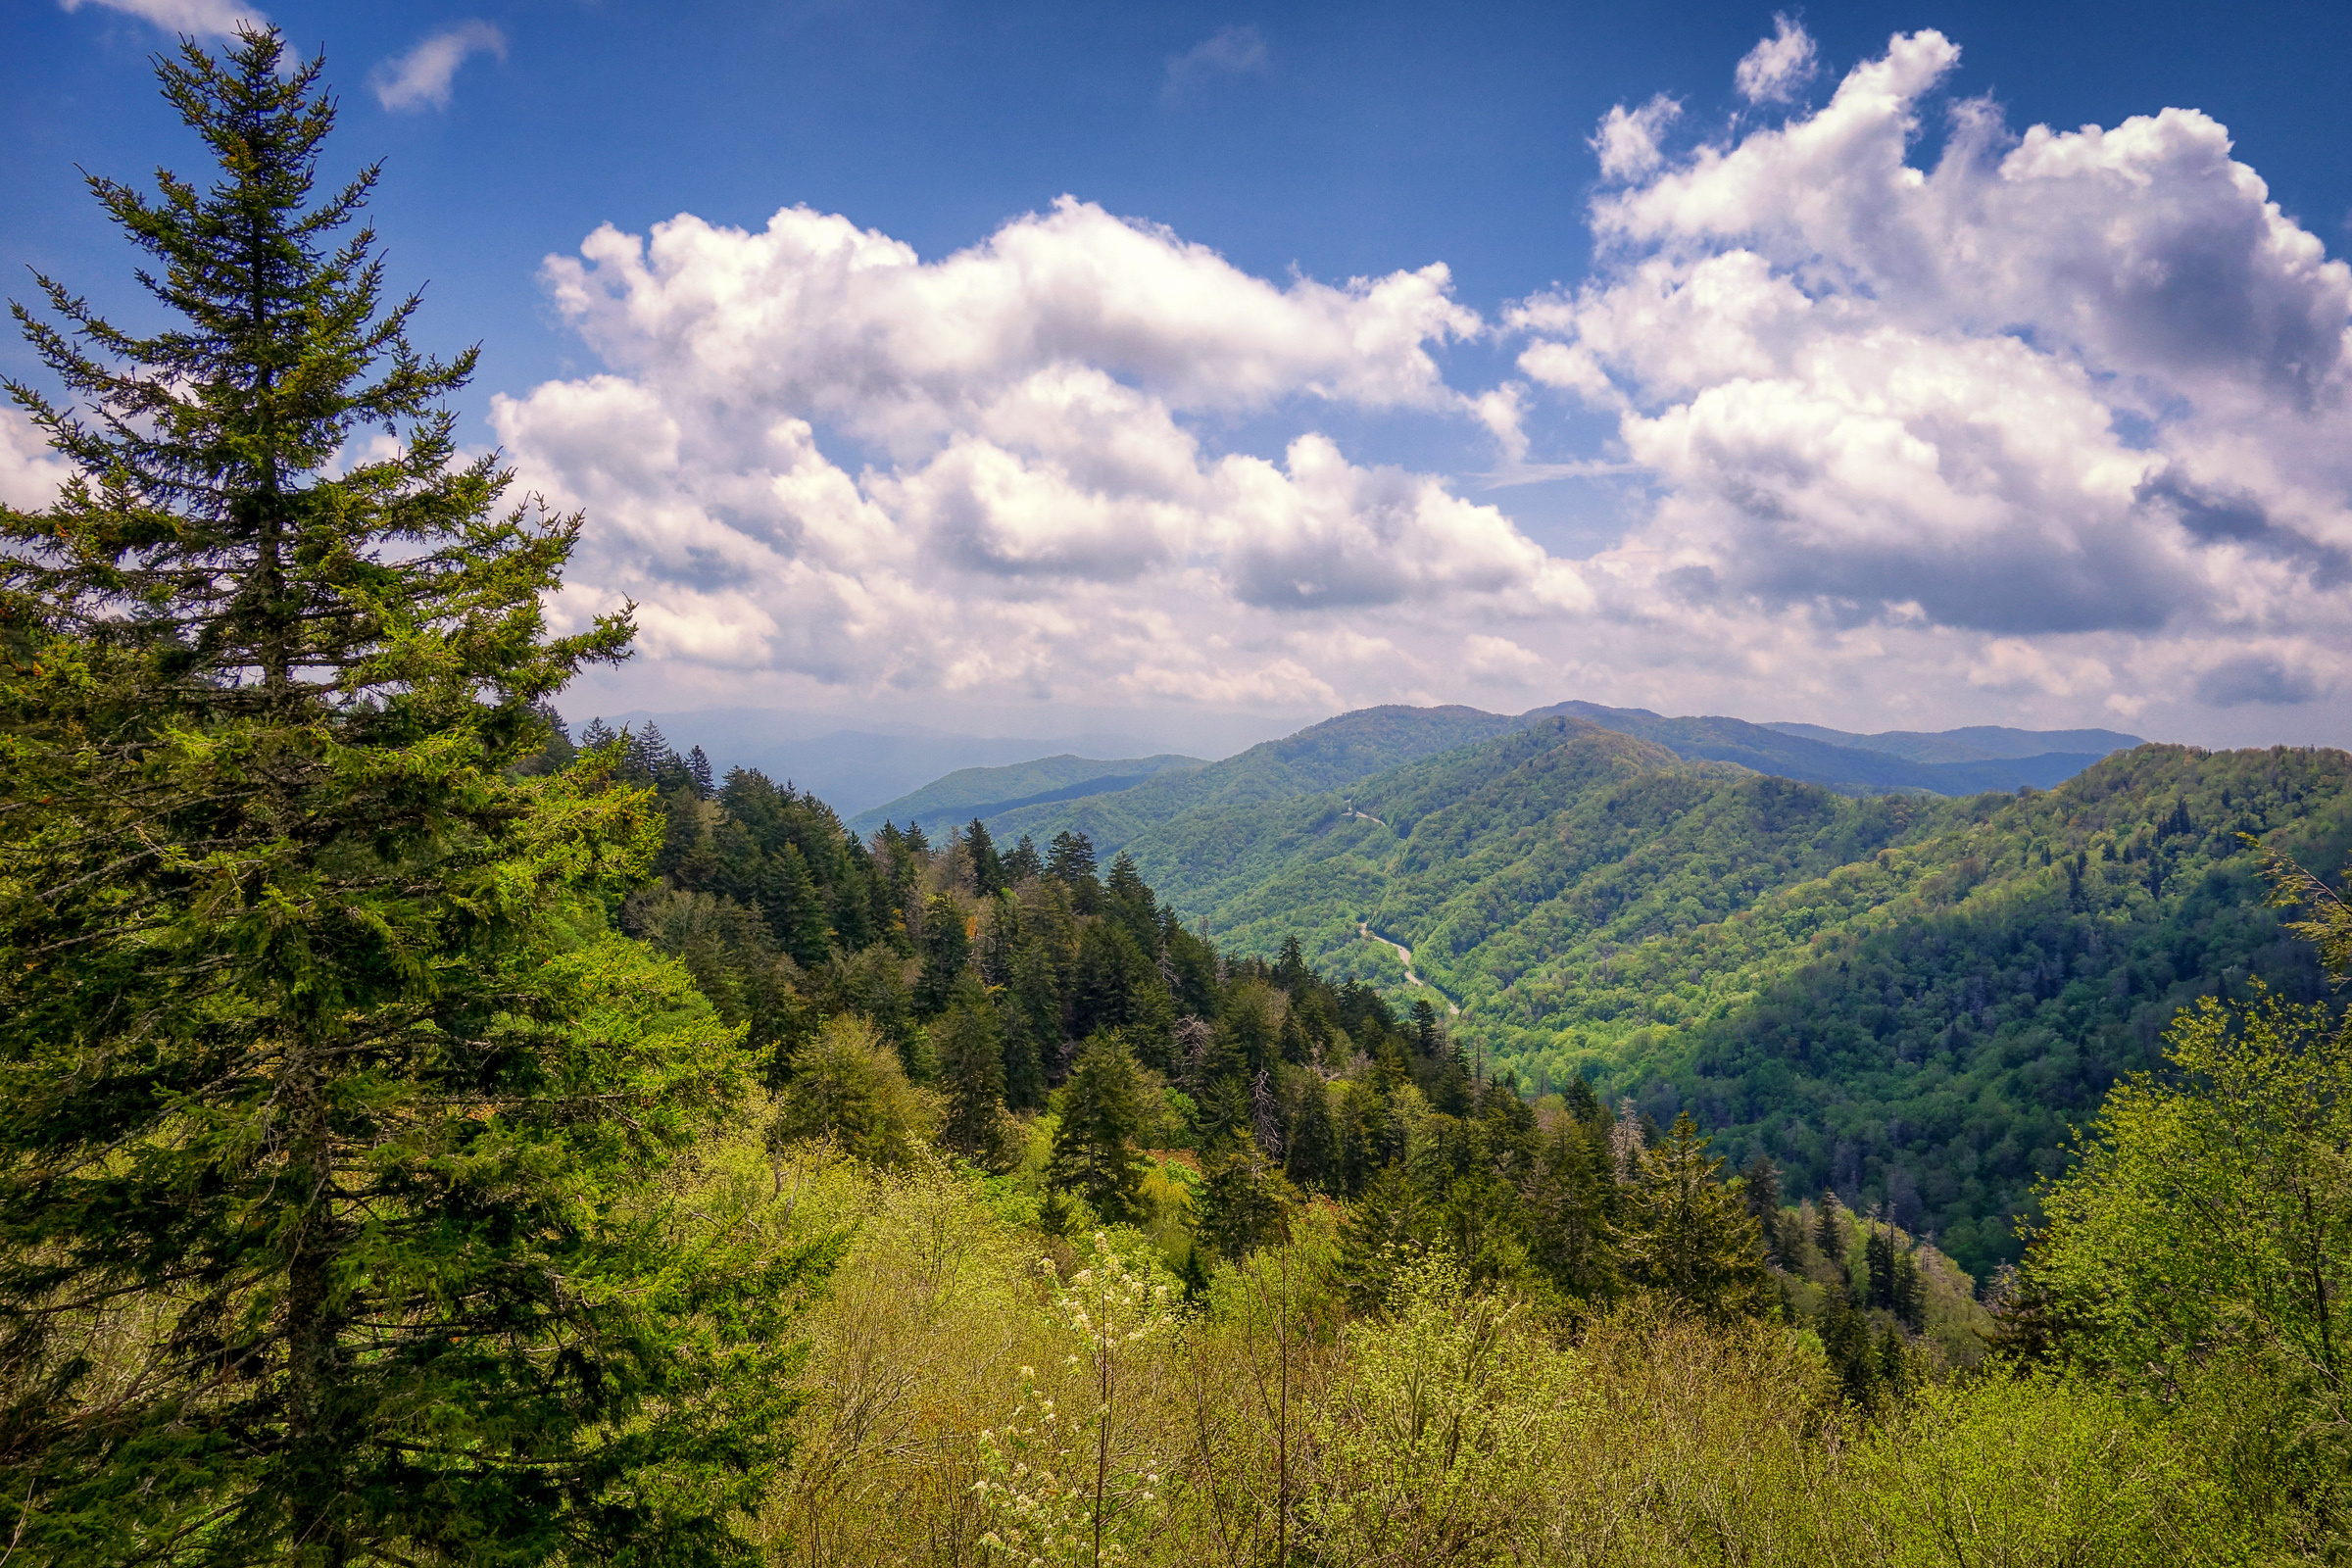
425,76
204,18
2068,407
1228,52
30,474
2052,427
1777,67
817,455
1626,142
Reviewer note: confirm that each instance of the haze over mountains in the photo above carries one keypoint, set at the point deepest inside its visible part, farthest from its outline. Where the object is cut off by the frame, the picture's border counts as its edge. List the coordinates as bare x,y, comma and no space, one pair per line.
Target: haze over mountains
1015,799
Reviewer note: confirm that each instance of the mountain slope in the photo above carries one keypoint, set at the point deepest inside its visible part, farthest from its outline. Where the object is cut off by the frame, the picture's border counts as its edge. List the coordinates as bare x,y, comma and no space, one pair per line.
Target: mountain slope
1852,770
1321,757
1903,996
1976,742
1337,752
985,791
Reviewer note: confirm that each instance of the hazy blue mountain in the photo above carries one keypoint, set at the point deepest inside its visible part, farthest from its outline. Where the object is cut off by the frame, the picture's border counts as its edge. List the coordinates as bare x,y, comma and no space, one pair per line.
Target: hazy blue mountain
1976,742
856,771
1854,769
1356,746
987,792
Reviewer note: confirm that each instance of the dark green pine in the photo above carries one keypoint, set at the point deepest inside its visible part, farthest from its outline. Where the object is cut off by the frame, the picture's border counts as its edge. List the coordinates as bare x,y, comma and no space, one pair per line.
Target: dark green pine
324,1092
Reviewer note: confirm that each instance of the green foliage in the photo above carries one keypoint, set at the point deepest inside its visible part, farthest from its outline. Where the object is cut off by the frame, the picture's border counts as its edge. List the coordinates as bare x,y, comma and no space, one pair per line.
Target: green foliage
2206,1230
2035,1470
333,1121
1103,1113
1430,1448
1686,1235
848,1087
1905,997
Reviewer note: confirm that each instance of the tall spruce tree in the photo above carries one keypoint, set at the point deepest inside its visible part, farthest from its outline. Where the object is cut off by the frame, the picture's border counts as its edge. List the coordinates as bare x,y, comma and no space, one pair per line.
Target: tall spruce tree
325,1106
968,1038
1102,1113
1687,1235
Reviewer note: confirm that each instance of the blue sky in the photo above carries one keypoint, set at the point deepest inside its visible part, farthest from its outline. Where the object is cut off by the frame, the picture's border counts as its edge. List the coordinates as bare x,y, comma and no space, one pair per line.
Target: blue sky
1659,540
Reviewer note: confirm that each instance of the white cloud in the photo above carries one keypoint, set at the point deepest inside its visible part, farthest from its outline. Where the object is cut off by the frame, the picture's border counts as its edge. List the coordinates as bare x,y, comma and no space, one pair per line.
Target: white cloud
1627,141
425,74
30,474
2067,417
1229,51
2055,428
1777,67
204,19
819,457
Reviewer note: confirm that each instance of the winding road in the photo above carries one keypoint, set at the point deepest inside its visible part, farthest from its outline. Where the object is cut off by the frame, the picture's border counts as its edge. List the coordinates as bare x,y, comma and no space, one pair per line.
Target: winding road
1405,956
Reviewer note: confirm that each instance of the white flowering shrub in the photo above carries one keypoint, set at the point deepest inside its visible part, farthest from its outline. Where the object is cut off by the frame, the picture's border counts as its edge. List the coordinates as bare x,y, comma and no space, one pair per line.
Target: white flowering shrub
1060,1487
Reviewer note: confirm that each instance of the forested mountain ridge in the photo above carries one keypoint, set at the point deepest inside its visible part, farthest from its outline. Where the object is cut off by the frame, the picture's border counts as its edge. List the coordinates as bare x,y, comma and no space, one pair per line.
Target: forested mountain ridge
1971,742
989,792
1370,740
1320,756
1703,936
1856,766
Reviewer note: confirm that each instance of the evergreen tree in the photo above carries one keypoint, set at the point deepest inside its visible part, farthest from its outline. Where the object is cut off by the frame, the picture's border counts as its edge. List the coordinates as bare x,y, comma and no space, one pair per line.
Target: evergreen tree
795,909
968,1042
946,949
1760,1186
1034,1034
1024,865
1425,1028
1111,985
649,756
1129,901
1507,1128
1311,1157
698,770
1569,1203
1102,1113
1244,1202
1070,860
1829,1229
1909,1299
987,872
1357,1137
1289,969
323,1097
1687,1235
1878,1267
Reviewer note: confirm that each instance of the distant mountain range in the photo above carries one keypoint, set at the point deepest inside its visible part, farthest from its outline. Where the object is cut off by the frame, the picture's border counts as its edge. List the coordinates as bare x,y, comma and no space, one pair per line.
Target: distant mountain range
1959,761
1355,746
1978,743
986,792
851,769
1901,995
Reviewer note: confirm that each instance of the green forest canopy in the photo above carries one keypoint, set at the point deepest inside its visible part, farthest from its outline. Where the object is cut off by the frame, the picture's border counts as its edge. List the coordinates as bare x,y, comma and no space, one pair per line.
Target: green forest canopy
424,1138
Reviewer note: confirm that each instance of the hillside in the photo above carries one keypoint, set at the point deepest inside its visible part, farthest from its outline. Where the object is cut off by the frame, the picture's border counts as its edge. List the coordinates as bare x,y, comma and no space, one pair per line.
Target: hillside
984,792
1903,996
1974,743
1321,757
1940,764
1338,752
